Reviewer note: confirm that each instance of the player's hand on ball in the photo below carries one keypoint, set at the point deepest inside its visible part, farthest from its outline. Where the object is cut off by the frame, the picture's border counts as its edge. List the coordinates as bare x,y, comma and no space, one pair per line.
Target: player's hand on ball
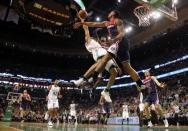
77,25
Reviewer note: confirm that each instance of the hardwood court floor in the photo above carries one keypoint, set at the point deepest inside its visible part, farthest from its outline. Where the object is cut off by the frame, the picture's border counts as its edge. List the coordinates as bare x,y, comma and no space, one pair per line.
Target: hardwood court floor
16,126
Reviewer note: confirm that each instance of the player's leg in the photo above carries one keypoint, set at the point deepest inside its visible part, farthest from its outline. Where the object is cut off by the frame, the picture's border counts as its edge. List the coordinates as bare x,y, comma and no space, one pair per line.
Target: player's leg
154,115
134,75
112,51
76,119
111,68
85,77
56,109
56,115
101,56
123,115
46,116
141,113
22,115
22,112
99,81
160,112
147,113
176,116
50,112
124,58
101,66
113,73
91,70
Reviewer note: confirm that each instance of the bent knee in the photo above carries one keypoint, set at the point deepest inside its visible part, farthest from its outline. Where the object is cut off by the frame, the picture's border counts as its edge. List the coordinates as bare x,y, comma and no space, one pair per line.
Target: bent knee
113,71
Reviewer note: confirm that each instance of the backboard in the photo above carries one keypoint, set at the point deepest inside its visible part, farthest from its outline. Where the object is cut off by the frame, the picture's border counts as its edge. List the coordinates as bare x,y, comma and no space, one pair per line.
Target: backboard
166,7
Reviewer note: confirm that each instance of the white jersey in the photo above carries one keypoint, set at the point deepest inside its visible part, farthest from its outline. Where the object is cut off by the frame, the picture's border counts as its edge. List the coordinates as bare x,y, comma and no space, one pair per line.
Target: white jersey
98,51
125,108
53,93
95,49
125,113
72,107
92,46
73,110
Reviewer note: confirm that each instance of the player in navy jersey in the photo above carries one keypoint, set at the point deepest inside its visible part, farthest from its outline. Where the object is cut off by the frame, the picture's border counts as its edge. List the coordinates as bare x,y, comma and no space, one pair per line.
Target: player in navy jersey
152,99
118,47
25,100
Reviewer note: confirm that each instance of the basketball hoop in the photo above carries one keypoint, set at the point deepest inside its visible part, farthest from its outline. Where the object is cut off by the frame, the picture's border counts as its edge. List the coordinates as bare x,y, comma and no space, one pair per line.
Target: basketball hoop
143,14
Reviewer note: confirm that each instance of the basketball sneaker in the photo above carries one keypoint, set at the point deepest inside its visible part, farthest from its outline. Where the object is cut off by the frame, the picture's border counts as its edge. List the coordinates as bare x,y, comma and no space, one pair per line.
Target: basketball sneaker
150,124
50,123
166,123
105,93
57,124
46,116
78,82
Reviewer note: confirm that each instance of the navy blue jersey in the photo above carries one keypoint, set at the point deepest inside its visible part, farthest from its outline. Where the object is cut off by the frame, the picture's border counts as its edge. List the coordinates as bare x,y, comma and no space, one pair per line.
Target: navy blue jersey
25,103
150,85
106,108
152,92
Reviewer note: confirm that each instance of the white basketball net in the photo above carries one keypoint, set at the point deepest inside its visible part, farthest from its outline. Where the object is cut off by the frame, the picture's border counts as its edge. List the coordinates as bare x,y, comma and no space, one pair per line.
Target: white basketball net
143,15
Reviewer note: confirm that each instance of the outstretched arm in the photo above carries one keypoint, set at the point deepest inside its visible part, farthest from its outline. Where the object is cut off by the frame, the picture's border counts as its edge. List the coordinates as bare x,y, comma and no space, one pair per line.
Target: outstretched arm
90,24
95,24
162,85
87,34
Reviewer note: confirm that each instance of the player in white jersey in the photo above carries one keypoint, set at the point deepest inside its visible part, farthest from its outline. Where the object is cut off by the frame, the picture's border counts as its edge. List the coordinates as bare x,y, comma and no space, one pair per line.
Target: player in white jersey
106,109
53,104
95,48
73,112
140,108
141,103
125,113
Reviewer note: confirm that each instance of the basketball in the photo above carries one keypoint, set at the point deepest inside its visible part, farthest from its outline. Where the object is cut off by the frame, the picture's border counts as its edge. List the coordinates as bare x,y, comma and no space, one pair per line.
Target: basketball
82,14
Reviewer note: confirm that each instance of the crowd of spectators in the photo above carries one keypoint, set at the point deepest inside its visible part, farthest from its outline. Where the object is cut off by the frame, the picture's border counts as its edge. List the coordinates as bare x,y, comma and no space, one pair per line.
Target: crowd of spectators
89,111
